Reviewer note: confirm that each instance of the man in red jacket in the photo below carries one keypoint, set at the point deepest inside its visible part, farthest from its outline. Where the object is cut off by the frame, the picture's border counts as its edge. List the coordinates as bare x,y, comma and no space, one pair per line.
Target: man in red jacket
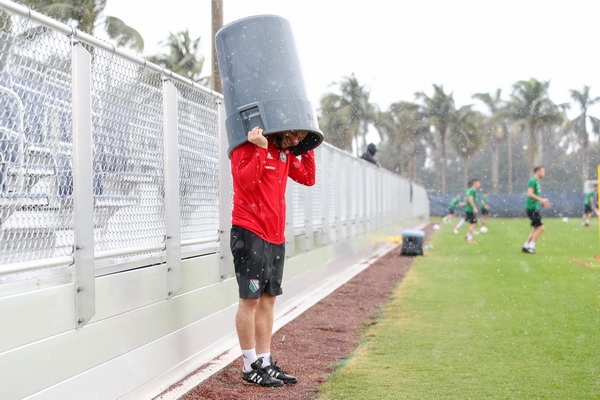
260,168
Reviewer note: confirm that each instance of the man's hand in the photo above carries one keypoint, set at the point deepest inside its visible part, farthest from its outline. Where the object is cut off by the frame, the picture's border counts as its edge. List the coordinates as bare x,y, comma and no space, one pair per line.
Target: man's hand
256,137
546,203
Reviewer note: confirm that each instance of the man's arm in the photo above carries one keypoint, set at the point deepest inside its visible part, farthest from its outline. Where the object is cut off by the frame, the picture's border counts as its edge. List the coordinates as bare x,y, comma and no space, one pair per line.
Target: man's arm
533,196
248,160
472,203
304,170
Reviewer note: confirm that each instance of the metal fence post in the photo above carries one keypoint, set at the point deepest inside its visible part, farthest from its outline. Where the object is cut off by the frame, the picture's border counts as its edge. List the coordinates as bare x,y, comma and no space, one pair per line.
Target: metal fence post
308,219
325,195
337,198
83,195
290,239
225,199
172,196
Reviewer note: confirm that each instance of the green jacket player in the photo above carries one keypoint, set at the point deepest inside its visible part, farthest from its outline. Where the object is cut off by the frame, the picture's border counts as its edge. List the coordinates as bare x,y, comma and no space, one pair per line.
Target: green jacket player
451,207
470,208
532,206
485,207
589,205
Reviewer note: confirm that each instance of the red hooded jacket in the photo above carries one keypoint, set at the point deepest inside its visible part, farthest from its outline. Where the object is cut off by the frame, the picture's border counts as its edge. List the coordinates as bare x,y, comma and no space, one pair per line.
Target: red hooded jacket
259,183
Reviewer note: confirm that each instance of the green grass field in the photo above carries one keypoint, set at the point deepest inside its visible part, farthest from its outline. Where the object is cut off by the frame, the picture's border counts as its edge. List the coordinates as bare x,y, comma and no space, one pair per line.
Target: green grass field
486,321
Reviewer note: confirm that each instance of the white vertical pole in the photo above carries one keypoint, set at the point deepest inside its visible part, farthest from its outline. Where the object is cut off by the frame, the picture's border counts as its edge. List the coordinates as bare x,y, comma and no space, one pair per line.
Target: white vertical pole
308,215
172,198
225,198
325,192
290,240
337,201
83,194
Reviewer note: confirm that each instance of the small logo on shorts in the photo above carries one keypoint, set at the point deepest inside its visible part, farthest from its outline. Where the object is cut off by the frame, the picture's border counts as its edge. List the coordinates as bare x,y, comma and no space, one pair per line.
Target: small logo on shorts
254,285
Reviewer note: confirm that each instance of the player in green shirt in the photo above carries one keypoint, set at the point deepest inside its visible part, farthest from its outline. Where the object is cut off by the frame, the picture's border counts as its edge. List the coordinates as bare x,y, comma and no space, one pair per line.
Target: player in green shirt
532,205
470,208
485,207
589,205
453,204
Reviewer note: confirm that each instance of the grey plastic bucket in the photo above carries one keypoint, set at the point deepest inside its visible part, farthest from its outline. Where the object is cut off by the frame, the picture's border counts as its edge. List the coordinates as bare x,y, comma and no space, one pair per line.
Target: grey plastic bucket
262,81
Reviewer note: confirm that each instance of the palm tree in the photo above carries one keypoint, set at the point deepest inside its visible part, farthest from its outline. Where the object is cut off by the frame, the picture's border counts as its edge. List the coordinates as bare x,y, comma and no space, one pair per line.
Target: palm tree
467,136
183,56
405,134
86,16
334,119
354,100
531,108
439,110
496,131
578,125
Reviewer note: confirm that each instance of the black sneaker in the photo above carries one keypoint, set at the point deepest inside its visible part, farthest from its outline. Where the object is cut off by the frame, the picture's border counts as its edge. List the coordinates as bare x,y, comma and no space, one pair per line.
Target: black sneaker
276,372
259,376
528,250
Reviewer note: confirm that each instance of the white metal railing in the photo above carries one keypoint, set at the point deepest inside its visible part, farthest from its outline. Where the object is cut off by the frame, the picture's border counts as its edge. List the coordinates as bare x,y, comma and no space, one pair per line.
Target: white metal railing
129,159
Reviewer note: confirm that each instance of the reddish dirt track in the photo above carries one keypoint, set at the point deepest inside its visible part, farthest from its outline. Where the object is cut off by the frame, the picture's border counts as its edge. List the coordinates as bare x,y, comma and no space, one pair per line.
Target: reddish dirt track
310,346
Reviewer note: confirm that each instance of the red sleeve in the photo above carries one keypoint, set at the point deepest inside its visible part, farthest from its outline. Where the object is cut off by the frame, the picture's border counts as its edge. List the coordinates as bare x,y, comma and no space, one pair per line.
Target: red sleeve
247,165
304,170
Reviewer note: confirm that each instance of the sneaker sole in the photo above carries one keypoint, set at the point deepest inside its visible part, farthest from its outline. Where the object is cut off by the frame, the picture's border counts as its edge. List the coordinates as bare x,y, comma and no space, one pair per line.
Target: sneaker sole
245,382
288,381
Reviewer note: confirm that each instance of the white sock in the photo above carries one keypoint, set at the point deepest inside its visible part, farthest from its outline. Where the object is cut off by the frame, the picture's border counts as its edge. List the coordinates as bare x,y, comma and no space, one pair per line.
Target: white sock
249,356
460,223
266,358
469,237
526,245
532,245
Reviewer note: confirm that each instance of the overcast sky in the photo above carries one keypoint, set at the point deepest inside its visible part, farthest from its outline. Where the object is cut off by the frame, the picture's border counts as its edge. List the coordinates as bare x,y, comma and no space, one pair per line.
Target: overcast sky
397,48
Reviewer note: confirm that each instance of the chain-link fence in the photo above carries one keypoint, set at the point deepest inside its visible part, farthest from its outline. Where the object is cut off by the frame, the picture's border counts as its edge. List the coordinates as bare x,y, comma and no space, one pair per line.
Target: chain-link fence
37,151
130,162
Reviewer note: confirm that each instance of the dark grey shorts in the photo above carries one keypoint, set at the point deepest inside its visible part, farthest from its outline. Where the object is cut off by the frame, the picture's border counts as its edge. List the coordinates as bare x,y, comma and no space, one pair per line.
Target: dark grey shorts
258,264
535,218
470,217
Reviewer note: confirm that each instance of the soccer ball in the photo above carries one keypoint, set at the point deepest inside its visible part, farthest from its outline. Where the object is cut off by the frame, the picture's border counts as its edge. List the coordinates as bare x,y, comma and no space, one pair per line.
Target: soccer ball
436,227
565,219
483,229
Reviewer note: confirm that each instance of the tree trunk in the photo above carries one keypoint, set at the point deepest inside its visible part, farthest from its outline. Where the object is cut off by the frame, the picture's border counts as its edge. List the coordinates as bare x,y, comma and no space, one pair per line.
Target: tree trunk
217,23
585,168
533,149
443,162
495,164
540,153
465,172
509,165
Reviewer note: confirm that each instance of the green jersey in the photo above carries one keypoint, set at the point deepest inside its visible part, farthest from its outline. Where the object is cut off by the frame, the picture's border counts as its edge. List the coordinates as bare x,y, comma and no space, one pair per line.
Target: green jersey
532,204
471,192
588,197
454,202
484,202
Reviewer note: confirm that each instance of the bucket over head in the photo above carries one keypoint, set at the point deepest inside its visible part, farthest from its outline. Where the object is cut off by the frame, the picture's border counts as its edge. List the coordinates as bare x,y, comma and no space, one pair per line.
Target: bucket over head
262,81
